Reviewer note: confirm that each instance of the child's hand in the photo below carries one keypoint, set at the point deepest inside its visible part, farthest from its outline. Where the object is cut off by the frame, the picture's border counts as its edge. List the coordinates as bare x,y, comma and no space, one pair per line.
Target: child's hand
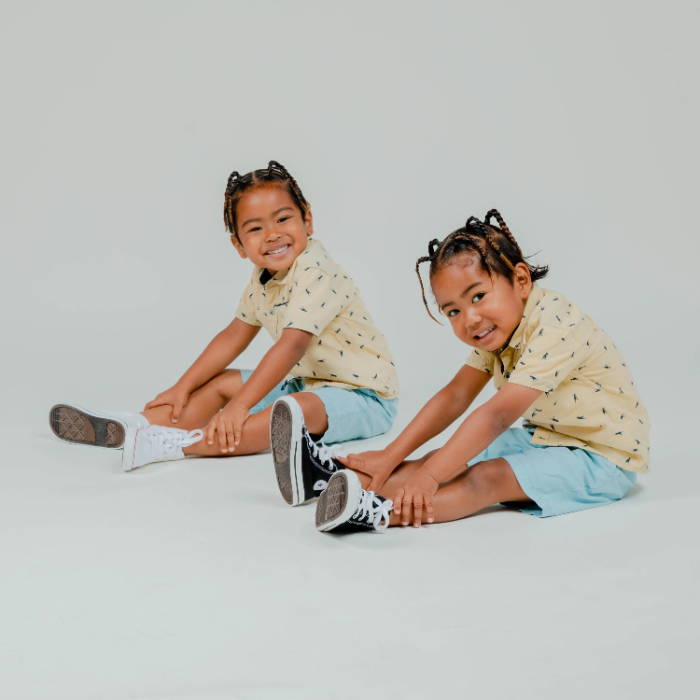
176,396
417,495
377,464
227,425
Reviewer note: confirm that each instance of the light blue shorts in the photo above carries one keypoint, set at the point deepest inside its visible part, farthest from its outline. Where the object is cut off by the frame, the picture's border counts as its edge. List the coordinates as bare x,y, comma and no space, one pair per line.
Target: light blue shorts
353,414
558,479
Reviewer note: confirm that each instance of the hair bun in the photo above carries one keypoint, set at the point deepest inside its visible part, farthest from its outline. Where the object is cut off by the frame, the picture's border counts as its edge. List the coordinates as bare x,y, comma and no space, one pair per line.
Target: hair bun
275,165
472,221
233,179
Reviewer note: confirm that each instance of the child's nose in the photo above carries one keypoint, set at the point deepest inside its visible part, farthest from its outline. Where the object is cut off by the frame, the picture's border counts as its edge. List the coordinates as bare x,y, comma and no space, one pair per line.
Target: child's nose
472,319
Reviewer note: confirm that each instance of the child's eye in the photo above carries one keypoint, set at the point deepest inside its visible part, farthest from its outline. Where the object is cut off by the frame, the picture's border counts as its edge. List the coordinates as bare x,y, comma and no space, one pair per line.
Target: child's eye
478,297
254,229
451,313
282,219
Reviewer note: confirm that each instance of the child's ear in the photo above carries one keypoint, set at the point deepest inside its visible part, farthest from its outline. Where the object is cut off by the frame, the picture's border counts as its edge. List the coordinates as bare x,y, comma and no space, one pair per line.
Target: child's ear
237,245
309,222
522,280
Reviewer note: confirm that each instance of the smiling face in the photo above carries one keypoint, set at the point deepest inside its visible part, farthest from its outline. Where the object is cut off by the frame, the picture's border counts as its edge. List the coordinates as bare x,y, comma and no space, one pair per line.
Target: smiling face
483,311
272,230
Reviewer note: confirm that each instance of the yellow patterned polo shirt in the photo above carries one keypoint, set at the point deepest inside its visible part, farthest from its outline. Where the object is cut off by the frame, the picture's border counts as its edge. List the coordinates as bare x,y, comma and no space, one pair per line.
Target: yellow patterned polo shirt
318,296
589,398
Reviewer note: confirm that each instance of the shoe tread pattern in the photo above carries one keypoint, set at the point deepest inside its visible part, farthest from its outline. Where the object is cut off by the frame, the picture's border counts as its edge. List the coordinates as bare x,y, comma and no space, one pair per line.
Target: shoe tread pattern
70,424
281,439
332,501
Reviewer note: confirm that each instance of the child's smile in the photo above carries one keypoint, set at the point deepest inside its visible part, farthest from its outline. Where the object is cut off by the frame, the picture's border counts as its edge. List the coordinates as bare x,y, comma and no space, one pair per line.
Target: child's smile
272,230
484,311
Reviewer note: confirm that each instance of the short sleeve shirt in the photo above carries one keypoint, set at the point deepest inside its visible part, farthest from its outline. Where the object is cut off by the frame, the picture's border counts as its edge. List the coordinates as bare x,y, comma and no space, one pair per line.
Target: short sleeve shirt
316,295
590,399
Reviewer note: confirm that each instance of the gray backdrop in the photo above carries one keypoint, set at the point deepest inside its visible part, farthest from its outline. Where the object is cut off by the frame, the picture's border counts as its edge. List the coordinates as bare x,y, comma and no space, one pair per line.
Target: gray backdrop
122,122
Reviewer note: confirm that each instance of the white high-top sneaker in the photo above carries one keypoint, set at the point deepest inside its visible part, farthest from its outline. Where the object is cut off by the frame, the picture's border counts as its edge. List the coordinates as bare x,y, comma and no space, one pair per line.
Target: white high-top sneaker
101,428
156,443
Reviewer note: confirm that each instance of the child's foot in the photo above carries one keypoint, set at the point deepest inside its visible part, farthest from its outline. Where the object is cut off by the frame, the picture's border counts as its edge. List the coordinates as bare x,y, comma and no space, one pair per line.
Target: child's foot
140,441
346,507
100,428
302,465
156,443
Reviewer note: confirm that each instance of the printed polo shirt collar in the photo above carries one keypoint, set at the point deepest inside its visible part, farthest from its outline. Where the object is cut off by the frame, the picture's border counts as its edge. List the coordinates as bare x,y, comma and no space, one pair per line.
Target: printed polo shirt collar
265,277
535,295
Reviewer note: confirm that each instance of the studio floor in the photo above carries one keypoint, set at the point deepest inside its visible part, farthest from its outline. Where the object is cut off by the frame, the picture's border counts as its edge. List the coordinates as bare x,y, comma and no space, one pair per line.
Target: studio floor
194,580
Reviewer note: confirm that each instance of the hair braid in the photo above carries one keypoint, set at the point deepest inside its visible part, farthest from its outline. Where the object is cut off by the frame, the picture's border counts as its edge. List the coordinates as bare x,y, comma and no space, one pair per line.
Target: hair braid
495,214
426,258
273,164
233,181
504,227
491,237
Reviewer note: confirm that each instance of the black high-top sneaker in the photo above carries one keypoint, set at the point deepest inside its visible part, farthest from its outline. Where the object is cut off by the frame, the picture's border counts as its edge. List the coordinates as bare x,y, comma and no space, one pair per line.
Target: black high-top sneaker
346,507
302,465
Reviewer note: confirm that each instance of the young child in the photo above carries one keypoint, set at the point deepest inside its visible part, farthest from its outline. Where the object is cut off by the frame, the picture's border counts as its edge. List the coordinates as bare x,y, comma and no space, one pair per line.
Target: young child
328,356
585,434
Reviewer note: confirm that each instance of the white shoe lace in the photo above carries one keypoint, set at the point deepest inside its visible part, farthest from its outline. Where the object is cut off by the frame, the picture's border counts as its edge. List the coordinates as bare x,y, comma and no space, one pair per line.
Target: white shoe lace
374,510
322,452
166,441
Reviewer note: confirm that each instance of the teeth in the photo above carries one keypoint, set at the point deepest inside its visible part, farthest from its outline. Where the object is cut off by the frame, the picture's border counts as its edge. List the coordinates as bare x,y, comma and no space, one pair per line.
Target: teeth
277,250
488,330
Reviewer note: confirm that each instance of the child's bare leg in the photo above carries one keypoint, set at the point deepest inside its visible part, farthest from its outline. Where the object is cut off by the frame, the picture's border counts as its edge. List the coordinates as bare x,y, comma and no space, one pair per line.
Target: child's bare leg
256,430
203,403
400,474
484,484
213,396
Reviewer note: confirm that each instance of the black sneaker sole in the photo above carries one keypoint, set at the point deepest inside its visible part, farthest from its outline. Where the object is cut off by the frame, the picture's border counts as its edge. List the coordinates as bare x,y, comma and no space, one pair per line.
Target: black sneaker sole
339,501
285,445
74,425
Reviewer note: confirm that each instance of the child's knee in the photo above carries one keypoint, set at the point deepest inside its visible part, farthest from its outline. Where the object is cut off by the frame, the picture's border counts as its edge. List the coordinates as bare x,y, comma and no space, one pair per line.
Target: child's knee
314,410
490,477
227,383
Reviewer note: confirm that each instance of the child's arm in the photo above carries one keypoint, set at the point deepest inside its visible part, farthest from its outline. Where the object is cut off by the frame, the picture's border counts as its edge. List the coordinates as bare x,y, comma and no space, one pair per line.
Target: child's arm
275,365
479,430
442,409
224,348
476,433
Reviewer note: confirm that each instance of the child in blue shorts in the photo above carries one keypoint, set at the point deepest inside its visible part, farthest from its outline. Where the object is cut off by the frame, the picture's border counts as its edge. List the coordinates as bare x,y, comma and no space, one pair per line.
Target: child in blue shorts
328,356
585,434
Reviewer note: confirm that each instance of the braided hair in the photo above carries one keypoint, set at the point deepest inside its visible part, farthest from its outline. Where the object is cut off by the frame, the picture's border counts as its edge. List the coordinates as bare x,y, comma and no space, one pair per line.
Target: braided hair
495,247
238,184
